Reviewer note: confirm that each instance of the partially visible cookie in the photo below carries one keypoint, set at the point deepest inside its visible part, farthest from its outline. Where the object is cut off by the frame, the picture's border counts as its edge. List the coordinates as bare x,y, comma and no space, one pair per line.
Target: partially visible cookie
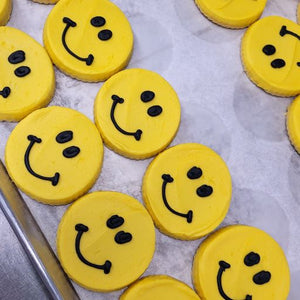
5,11
293,123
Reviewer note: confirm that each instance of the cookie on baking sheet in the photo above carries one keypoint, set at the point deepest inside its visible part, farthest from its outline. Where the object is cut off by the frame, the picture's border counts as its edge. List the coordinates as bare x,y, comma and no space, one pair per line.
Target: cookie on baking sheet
241,262
159,287
137,112
27,79
88,39
270,55
293,123
54,155
232,13
5,11
105,241
187,190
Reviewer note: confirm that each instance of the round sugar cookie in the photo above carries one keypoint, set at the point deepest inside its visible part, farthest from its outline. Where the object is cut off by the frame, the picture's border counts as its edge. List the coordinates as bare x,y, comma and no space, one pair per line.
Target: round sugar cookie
27,79
89,40
54,155
105,241
293,123
270,54
159,287
241,262
137,112
187,190
5,11
232,13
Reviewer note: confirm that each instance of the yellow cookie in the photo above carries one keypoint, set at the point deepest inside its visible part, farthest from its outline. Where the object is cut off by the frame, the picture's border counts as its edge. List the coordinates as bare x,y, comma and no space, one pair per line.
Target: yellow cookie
54,155
5,11
187,190
88,39
241,262
293,123
232,13
137,113
105,241
159,287
27,78
271,55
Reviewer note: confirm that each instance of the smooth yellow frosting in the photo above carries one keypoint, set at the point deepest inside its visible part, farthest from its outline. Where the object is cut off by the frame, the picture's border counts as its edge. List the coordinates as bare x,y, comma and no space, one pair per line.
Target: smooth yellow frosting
232,245
5,11
181,194
110,56
46,158
284,81
159,287
32,91
98,245
293,123
232,13
132,115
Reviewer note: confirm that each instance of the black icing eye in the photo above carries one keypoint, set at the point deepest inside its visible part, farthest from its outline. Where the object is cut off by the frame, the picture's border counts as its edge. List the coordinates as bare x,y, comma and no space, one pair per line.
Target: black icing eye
98,21
251,259
114,221
298,64
71,152
64,136
16,57
22,71
123,237
269,49
194,173
154,111
147,96
262,277
104,34
204,190
278,63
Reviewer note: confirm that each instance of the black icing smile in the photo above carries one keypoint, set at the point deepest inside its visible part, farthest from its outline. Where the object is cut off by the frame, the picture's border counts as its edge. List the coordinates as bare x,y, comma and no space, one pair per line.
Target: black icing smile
5,92
69,23
116,99
33,139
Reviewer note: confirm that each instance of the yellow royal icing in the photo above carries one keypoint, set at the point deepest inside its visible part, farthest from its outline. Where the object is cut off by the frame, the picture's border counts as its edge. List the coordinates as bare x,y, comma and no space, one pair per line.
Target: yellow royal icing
54,155
105,241
137,113
27,79
232,13
293,123
159,287
88,39
241,262
187,190
270,56
5,11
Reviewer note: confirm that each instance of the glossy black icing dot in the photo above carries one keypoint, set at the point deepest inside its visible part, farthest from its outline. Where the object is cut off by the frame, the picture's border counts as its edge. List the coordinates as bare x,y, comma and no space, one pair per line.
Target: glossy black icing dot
298,64
64,136
278,63
114,221
123,237
251,259
71,152
269,49
154,111
262,277
22,71
98,21
194,173
104,34
204,190
16,57
147,96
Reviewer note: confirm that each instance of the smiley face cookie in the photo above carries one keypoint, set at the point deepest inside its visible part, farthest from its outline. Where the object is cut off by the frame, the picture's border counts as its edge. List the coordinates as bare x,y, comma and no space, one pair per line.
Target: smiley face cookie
241,262
159,287
5,11
293,123
137,113
187,190
27,78
89,40
232,13
54,155
105,241
270,54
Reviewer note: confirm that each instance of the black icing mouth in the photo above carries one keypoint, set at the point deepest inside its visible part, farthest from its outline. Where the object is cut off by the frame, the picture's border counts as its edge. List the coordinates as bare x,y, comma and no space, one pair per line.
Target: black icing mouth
5,92
116,99
284,31
33,139
69,23
189,215
81,229
223,266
